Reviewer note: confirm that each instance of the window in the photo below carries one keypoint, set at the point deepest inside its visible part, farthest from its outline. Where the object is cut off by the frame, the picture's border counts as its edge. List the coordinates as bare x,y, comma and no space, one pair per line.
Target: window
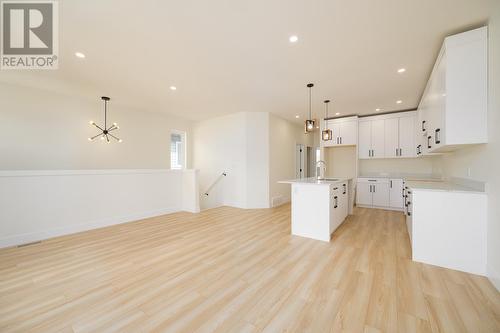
178,150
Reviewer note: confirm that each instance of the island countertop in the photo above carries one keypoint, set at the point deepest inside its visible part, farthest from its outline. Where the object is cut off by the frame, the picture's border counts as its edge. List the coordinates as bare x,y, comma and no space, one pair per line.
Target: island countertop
315,181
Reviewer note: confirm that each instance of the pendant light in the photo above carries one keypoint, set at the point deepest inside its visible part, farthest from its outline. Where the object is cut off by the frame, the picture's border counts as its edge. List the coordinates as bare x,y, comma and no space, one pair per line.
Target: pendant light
309,123
326,134
105,133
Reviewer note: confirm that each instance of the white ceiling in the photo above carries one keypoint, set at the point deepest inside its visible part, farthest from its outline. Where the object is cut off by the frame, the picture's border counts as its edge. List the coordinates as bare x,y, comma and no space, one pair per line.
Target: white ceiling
226,56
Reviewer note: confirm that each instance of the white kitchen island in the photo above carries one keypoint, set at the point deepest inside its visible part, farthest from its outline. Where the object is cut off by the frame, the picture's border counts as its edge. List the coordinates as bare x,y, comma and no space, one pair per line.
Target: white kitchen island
320,206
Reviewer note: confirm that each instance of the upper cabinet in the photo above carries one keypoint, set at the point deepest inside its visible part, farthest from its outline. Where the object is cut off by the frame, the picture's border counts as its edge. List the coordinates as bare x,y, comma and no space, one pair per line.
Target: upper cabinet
344,130
453,109
387,136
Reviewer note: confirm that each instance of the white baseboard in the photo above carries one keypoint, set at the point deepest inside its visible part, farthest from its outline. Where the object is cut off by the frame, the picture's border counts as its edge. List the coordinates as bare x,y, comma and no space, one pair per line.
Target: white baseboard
46,234
494,276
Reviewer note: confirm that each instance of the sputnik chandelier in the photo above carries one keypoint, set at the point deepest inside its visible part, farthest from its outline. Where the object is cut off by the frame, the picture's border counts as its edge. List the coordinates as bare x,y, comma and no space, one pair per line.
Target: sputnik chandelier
105,133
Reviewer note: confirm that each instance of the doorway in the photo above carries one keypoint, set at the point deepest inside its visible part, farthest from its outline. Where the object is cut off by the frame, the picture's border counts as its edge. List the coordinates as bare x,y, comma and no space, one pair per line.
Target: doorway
305,161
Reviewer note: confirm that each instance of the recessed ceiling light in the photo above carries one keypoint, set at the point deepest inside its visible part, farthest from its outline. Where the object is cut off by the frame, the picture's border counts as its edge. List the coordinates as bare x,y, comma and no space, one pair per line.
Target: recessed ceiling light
173,88
401,70
80,55
297,116
317,126
293,39
399,102
377,109
337,113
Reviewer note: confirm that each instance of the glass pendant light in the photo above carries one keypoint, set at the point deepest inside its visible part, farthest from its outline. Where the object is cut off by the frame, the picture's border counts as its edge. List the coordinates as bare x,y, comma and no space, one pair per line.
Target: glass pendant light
326,134
309,123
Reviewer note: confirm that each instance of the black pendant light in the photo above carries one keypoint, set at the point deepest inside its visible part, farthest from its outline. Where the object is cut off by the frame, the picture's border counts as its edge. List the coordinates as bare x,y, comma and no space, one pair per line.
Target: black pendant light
105,133
326,134
309,123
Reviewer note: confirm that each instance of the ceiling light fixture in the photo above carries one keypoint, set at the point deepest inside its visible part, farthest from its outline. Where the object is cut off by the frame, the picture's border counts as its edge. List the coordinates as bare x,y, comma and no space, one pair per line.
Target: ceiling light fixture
337,113
401,70
309,123
399,102
173,88
293,39
106,132
80,55
377,109
326,134
297,116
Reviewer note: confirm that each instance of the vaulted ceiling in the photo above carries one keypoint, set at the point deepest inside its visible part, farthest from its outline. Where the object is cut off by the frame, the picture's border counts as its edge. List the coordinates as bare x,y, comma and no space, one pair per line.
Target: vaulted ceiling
225,56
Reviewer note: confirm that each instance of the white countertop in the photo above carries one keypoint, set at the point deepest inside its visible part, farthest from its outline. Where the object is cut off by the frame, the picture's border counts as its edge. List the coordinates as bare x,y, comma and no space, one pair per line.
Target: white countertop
439,186
314,181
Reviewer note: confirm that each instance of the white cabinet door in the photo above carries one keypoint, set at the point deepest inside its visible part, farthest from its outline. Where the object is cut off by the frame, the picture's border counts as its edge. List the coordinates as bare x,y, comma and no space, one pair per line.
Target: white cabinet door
381,194
407,137
344,201
396,193
364,139
378,138
336,219
391,137
364,194
336,133
349,133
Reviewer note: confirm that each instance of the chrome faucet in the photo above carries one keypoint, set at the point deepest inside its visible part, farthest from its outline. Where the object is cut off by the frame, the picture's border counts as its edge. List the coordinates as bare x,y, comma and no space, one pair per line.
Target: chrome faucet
320,170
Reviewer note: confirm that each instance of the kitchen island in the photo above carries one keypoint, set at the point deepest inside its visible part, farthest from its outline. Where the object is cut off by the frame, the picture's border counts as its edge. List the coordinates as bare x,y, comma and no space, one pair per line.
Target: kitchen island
320,206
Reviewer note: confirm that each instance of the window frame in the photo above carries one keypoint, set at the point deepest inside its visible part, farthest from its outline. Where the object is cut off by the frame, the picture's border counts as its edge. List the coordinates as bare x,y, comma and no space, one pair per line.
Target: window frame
183,141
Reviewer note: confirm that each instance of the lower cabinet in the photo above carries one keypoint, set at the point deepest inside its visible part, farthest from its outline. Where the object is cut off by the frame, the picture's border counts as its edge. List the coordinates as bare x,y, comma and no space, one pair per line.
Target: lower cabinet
448,229
380,193
396,193
339,206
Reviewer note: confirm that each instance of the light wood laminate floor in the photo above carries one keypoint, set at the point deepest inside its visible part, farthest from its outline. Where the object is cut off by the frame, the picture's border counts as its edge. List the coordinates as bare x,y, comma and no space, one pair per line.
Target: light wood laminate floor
233,270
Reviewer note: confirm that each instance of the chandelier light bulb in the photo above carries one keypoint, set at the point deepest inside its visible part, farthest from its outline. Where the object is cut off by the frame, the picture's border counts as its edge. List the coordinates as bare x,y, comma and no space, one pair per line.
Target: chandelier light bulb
91,122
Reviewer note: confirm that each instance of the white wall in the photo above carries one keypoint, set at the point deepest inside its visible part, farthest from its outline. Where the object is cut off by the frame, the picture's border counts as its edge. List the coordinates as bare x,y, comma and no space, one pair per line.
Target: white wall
36,205
257,149
236,144
47,130
483,162
423,165
283,136
340,161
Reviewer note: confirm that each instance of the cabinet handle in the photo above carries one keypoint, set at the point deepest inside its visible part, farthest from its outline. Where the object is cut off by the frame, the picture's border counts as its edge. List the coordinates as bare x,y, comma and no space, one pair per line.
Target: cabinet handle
340,140
374,189
400,151
391,183
429,142
437,140
336,202
397,152
423,125
345,188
